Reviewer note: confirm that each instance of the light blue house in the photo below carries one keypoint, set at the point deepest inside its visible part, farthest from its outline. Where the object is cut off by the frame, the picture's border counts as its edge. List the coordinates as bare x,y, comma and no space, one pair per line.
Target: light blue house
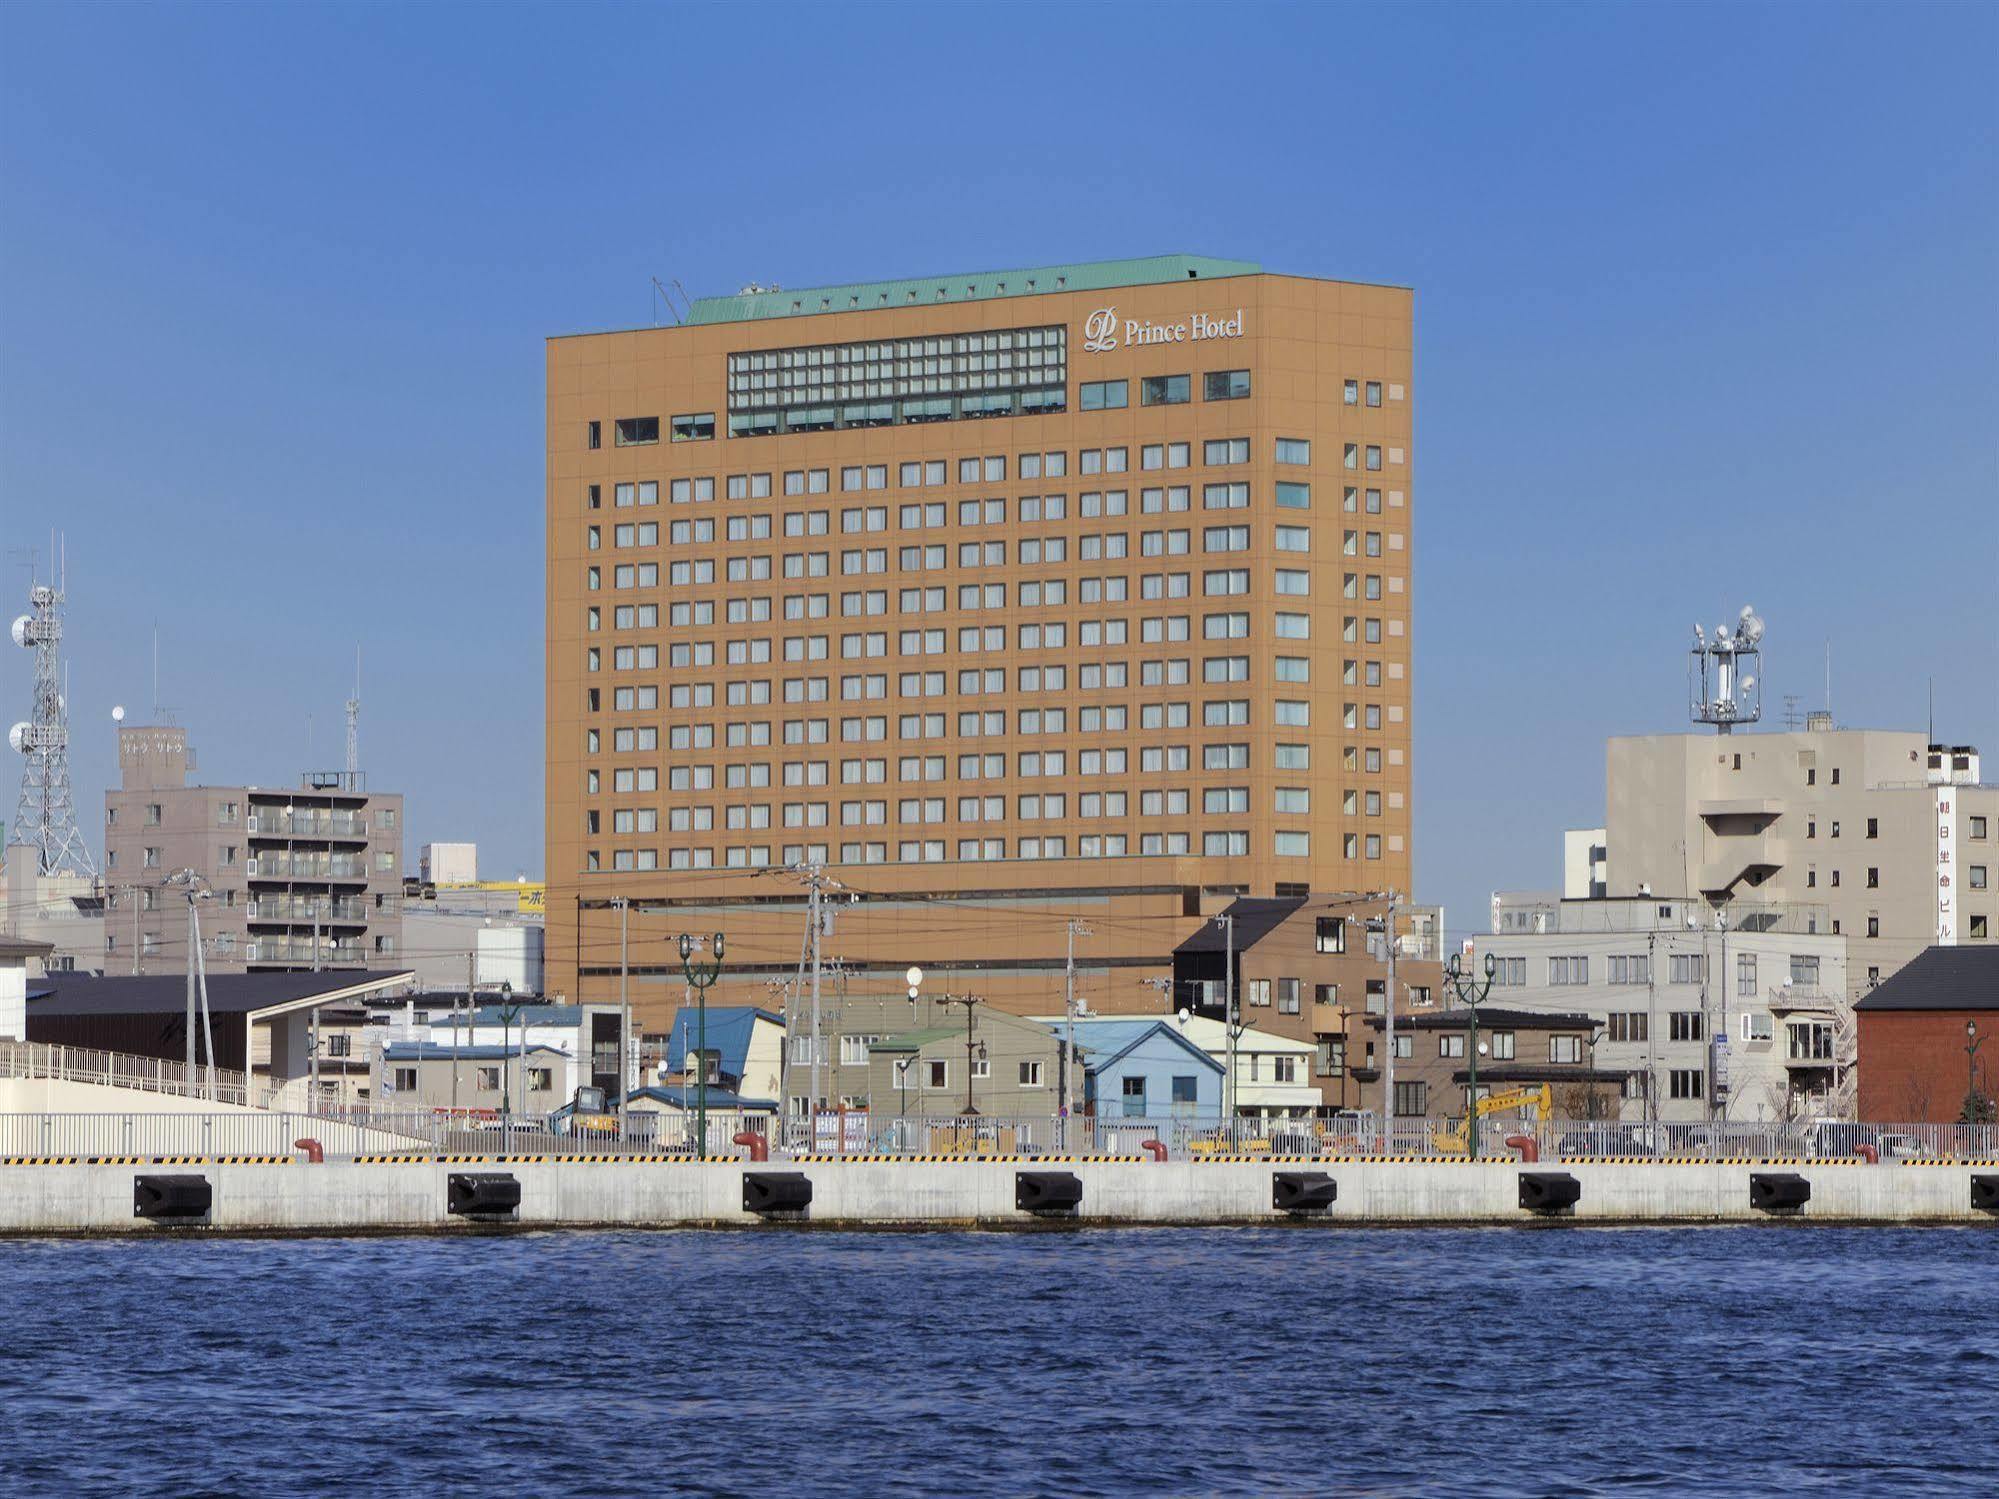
744,1047
1144,1069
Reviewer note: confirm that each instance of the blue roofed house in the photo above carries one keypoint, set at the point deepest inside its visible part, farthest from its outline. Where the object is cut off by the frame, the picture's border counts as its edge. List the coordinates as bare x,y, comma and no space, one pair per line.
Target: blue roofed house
1142,1068
744,1046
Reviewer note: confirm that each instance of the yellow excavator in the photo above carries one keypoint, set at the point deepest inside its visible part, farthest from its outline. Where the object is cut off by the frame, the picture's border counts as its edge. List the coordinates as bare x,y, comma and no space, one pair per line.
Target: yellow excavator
1456,1140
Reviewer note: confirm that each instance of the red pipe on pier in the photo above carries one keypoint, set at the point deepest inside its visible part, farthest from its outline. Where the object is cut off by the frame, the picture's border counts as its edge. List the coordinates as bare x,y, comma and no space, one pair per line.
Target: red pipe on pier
759,1146
1529,1148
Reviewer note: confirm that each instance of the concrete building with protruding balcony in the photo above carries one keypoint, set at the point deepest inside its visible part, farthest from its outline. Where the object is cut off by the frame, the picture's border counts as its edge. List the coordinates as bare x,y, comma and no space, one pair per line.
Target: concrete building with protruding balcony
300,877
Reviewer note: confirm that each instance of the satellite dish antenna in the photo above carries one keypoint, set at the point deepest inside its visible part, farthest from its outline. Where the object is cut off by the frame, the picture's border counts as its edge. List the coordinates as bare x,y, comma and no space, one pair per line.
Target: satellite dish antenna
20,630
118,715
17,738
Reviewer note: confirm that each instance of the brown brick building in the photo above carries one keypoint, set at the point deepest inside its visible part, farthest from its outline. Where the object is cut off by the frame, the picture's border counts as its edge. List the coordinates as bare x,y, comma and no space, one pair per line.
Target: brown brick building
1011,599
1929,1038
1313,968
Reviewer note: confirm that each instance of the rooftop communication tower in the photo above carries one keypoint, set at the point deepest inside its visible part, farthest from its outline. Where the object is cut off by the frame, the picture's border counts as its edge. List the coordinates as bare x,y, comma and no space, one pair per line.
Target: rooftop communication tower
1722,673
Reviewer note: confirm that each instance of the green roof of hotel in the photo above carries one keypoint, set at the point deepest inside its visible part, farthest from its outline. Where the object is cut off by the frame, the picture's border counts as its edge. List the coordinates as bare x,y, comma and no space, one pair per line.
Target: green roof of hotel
974,286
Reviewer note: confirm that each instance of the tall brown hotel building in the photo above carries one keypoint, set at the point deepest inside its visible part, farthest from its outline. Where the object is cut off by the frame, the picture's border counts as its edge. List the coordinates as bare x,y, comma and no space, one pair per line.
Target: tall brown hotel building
1013,598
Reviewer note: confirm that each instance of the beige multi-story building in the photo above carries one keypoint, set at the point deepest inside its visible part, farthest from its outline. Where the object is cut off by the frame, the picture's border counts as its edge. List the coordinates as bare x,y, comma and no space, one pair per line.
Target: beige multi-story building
300,877
1890,836
1009,598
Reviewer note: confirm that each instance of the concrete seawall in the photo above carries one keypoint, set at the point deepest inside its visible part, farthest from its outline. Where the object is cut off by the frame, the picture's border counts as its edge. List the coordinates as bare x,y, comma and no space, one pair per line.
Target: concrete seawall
411,1196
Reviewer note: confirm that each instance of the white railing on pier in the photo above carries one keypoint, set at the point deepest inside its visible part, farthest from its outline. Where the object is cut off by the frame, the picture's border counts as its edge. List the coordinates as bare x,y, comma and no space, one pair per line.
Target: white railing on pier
78,1064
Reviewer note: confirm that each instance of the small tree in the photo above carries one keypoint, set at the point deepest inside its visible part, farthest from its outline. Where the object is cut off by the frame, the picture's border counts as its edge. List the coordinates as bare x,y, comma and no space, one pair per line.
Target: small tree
1978,1109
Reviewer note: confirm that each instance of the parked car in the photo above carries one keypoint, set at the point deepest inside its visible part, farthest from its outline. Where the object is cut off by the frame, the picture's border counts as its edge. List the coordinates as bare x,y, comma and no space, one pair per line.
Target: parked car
1905,1147
1607,1139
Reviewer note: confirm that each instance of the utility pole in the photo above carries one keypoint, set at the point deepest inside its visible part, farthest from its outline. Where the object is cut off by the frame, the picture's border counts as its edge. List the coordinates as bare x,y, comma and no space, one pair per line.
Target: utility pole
1388,1026
200,965
1227,923
1718,1040
816,906
1076,929
624,906
1652,1038
471,984
197,973
192,947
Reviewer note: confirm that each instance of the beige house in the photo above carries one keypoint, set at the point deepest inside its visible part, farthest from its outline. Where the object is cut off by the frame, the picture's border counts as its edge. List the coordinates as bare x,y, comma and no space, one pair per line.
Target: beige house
894,1057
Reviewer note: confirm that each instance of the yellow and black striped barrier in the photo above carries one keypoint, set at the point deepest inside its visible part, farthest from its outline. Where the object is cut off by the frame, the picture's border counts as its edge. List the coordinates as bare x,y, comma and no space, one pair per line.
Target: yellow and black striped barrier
147,1160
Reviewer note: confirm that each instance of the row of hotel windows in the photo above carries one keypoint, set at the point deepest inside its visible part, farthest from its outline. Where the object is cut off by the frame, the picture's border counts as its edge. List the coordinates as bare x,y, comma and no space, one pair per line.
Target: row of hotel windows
937,514
1216,713
1162,390
1034,550
991,469
1153,628
1091,719
1027,807
1224,495
1030,551
859,645
1091,676
1218,845
936,640
825,374
1215,582
990,766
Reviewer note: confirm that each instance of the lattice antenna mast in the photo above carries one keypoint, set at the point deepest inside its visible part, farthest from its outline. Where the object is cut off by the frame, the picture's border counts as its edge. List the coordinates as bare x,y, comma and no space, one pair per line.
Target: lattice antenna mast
46,815
354,718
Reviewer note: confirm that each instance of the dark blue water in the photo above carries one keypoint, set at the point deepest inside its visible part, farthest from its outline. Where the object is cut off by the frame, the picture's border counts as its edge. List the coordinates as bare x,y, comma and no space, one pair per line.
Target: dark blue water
1721,1361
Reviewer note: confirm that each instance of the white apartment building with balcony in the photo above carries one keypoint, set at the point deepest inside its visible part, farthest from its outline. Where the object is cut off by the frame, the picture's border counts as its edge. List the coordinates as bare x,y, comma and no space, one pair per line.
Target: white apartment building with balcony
1741,1014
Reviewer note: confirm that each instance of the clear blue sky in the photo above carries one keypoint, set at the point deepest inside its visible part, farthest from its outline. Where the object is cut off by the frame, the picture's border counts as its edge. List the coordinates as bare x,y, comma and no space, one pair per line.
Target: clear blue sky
1706,315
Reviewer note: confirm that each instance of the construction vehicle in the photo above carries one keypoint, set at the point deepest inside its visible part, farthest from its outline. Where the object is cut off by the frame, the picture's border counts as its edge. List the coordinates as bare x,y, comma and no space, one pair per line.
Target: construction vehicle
591,1115
1456,1139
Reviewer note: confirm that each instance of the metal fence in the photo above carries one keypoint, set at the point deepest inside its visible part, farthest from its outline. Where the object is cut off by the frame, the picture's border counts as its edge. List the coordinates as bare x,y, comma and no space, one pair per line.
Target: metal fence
1184,1138
361,1131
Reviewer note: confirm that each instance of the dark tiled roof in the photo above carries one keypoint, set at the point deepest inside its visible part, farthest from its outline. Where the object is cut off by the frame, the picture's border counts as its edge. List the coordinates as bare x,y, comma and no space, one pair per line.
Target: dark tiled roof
1513,1073
1941,978
166,994
433,1051
1256,917
1490,1017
